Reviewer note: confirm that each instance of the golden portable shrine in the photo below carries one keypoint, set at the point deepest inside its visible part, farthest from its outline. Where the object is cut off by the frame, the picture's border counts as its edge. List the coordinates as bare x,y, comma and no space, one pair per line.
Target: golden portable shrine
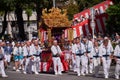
56,21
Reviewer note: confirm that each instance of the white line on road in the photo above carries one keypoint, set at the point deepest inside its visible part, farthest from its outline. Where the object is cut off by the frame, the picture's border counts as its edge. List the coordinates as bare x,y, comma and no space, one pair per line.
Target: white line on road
34,74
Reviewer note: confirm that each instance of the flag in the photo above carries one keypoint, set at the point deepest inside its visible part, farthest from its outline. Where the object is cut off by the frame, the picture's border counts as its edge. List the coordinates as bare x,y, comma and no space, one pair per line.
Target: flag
43,35
84,28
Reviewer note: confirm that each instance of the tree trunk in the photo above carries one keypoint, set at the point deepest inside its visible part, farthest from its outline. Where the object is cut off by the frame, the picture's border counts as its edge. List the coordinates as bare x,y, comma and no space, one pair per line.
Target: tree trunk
28,20
39,10
39,13
20,22
4,24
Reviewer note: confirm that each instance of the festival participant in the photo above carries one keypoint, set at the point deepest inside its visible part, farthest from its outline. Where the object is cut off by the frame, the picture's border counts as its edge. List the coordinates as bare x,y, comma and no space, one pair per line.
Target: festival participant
13,43
105,52
56,52
117,59
100,40
36,50
67,51
8,53
79,55
96,58
28,58
117,38
33,41
21,51
88,47
73,55
2,62
16,54
109,41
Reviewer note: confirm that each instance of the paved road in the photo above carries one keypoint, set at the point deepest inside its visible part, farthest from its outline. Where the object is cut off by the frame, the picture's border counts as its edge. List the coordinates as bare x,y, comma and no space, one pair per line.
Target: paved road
49,76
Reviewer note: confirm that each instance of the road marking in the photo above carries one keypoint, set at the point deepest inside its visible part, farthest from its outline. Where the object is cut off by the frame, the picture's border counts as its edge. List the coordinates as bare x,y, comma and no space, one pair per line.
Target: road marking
41,74
47,74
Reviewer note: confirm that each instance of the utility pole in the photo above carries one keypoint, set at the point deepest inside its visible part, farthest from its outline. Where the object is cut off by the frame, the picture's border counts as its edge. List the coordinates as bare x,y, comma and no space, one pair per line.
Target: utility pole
54,3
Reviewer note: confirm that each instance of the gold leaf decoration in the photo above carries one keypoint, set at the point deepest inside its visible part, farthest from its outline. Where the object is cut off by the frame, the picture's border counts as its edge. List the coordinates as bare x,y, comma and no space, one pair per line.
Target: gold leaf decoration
56,17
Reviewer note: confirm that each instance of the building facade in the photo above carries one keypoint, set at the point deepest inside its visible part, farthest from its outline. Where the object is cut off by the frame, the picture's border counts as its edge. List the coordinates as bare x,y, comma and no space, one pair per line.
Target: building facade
12,28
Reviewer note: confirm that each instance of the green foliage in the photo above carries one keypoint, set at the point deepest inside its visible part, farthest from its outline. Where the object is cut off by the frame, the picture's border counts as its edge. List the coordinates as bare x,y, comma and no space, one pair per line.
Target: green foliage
79,6
114,10
28,11
1,13
71,10
38,5
116,1
84,4
6,5
113,22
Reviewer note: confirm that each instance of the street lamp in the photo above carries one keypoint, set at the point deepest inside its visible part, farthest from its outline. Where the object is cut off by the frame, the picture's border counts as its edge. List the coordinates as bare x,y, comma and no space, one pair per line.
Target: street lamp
92,22
0,23
54,3
29,32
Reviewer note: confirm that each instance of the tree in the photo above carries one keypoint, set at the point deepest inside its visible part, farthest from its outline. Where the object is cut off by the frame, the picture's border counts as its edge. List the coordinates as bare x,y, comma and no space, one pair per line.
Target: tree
18,6
84,4
72,8
20,23
28,10
5,7
116,1
21,5
76,6
39,6
113,22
